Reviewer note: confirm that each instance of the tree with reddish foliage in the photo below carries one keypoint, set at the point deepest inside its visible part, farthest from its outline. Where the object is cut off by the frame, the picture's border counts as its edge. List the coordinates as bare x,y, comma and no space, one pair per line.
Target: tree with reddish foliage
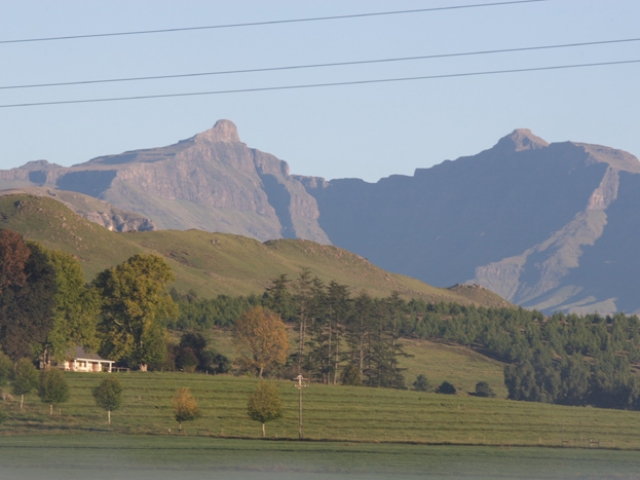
27,298
13,255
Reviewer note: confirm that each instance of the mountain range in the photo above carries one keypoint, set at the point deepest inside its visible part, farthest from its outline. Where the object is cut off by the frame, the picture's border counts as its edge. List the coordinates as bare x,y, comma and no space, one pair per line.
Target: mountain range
547,226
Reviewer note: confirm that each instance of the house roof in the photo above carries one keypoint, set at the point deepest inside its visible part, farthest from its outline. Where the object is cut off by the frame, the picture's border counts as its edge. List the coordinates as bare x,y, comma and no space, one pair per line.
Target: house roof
81,353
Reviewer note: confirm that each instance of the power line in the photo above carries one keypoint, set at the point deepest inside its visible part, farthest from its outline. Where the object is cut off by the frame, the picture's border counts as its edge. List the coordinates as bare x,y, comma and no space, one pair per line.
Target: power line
270,22
321,65
319,85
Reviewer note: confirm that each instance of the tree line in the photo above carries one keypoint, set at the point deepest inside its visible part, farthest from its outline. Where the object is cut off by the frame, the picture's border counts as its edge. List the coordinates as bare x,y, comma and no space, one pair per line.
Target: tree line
566,359
47,308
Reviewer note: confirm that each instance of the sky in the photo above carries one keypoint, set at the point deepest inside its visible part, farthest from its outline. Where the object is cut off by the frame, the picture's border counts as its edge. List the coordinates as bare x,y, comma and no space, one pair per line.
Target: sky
366,131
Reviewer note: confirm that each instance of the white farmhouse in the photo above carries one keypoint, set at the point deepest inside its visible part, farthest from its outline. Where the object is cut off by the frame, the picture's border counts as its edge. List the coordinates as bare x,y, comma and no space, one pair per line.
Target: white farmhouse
82,361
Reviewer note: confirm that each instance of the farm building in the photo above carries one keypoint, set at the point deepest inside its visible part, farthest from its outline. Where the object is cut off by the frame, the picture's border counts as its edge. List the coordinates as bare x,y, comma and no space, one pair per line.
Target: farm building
82,361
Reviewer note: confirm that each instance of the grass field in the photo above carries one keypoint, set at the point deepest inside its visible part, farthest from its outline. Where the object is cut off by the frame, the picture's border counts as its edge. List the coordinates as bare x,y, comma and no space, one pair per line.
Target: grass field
439,362
108,457
333,413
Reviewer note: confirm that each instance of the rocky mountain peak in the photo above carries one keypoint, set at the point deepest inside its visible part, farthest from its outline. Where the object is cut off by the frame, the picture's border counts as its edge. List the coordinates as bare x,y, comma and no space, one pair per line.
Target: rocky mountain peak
224,131
521,139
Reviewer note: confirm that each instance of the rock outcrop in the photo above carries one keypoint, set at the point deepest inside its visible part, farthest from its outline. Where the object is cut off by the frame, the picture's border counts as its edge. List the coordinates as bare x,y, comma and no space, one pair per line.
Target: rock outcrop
525,219
211,181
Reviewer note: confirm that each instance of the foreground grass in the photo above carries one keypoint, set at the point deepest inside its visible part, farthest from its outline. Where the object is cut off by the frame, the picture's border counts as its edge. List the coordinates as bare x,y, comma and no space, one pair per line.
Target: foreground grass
330,413
116,456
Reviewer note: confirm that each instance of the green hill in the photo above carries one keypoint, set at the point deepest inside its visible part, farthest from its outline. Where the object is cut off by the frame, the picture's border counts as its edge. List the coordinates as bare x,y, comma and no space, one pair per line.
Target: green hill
210,263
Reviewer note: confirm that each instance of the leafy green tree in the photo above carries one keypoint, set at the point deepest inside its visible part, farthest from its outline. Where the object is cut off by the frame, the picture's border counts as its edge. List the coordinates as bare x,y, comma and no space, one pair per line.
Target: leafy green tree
421,384
76,308
3,416
24,379
135,302
264,404
52,388
575,381
185,407
483,389
108,395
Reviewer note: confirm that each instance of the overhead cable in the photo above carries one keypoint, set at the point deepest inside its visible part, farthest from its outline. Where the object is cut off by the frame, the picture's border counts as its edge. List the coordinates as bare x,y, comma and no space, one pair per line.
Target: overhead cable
318,85
319,65
271,22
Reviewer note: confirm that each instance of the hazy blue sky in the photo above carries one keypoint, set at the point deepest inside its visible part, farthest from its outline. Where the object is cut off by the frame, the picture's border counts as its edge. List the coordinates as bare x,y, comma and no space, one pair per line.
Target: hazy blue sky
366,131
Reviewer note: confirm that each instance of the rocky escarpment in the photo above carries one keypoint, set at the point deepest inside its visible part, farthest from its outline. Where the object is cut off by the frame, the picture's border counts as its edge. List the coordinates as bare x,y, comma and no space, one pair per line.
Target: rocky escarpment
525,219
211,181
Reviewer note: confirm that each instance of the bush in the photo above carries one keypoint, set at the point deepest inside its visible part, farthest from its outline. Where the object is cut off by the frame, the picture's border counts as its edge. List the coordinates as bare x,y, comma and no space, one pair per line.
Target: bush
186,360
185,407
264,404
421,384
446,388
483,389
52,388
25,378
108,395
215,363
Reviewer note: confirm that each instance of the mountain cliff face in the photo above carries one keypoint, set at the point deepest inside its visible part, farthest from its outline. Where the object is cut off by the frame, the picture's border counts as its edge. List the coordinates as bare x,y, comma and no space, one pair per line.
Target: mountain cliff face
211,181
546,226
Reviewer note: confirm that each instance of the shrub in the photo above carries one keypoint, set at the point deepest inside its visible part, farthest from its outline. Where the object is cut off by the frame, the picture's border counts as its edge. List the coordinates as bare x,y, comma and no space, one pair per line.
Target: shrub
186,360
185,408
108,395
25,378
350,376
215,363
446,388
52,388
264,404
483,389
421,384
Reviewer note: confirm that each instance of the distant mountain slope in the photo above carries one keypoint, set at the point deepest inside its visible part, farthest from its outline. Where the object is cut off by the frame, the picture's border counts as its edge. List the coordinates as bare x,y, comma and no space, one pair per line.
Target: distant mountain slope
547,226
210,263
537,223
211,181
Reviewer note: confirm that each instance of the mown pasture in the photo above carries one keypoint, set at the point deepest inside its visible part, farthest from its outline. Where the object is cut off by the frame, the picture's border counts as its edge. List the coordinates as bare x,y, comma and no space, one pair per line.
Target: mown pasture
440,362
355,414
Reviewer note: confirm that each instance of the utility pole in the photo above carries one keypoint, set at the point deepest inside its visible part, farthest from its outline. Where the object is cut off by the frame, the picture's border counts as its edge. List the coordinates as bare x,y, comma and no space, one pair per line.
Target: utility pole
300,385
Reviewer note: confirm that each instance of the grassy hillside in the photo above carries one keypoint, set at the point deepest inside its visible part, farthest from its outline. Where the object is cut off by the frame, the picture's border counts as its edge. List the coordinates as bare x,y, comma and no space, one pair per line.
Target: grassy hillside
437,361
335,413
209,263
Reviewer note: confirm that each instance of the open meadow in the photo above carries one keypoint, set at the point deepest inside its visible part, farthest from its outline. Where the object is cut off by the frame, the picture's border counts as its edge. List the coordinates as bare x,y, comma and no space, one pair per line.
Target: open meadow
342,413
